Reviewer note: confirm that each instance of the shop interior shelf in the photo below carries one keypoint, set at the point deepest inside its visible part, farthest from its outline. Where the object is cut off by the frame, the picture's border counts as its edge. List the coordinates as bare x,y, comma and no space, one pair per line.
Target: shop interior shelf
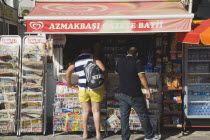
191,48
194,84
198,101
198,116
171,88
170,101
175,51
173,125
152,108
173,112
177,59
172,74
198,61
198,73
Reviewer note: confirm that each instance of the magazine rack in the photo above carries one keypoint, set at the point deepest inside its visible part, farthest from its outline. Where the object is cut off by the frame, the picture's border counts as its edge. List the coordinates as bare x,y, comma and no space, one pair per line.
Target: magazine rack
33,85
67,115
9,79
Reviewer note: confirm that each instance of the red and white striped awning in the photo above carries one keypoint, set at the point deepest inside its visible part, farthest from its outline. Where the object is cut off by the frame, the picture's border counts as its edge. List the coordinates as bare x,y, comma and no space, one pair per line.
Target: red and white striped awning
109,17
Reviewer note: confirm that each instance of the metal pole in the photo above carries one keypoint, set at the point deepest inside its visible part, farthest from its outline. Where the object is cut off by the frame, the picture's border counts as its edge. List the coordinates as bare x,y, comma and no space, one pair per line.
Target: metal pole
190,6
20,90
45,95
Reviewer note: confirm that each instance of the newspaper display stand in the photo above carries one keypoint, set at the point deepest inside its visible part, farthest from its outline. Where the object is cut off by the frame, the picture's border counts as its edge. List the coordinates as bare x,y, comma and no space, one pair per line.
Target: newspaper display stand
9,87
67,111
32,101
67,115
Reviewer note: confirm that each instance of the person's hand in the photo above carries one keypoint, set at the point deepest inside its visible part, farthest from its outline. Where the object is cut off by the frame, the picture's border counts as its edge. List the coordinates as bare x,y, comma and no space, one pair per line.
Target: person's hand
147,94
74,87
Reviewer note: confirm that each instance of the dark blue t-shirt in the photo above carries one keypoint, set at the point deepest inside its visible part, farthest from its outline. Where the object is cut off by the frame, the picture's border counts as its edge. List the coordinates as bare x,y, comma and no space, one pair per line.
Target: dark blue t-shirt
128,69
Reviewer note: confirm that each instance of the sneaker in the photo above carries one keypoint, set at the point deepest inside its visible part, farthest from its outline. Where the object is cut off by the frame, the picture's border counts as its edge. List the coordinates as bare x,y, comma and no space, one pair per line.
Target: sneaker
156,137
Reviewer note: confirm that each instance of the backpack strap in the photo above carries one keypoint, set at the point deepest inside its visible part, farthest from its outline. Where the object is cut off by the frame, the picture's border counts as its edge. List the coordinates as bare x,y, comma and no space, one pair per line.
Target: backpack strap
91,56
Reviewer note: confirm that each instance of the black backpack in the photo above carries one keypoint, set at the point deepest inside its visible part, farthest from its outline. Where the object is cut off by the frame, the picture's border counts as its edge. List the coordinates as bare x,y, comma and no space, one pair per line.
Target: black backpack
94,75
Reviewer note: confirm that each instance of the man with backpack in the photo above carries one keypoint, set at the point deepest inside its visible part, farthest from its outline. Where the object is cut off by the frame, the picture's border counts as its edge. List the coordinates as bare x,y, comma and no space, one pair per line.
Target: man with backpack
131,76
91,77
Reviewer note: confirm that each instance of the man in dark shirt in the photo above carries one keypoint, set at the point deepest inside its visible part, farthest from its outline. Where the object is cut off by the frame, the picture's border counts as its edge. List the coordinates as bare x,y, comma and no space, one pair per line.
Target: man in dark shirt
131,75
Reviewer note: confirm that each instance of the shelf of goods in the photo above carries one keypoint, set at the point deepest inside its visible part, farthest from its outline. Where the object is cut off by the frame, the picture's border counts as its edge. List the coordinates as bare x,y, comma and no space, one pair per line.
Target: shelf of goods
197,99
9,77
113,108
172,115
67,108
67,111
32,105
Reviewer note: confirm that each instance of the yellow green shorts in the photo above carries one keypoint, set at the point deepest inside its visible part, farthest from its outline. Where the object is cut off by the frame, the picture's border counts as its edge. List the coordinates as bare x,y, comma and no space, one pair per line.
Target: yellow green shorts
95,95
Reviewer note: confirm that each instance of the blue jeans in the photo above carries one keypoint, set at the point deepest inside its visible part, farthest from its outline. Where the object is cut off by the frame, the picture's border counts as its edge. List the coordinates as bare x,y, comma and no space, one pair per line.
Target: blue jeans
139,105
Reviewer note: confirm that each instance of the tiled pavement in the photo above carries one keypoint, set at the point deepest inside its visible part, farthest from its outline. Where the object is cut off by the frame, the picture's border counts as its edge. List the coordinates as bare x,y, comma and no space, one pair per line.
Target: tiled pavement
193,134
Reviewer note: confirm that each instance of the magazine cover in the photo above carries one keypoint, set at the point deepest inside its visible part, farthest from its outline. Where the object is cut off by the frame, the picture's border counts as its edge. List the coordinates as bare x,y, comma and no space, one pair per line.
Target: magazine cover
59,122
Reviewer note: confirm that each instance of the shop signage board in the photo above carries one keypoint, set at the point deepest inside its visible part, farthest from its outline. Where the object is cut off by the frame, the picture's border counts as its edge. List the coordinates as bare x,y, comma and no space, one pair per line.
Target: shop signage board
108,17
109,26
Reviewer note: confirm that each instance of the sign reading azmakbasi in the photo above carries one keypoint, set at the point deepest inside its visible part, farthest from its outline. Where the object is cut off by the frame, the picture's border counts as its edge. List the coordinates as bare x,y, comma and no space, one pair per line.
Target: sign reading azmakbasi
109,26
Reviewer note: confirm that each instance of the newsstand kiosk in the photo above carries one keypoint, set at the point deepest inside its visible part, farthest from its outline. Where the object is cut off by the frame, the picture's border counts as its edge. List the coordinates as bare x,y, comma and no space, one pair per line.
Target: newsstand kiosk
111,26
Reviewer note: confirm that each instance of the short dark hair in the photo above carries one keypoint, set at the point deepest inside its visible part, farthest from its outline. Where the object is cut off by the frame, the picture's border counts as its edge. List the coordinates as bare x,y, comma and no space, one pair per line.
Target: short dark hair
132,51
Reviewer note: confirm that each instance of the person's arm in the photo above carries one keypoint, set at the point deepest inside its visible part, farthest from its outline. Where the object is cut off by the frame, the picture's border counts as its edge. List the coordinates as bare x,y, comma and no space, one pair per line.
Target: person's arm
144,82
102,67
69,72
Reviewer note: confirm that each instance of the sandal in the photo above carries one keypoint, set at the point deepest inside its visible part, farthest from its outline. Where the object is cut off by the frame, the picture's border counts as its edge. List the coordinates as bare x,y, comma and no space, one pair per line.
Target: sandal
102,137
85,138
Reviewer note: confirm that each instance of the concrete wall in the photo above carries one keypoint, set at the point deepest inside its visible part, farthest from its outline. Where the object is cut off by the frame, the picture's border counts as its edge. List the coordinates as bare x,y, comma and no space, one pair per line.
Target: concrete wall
10,2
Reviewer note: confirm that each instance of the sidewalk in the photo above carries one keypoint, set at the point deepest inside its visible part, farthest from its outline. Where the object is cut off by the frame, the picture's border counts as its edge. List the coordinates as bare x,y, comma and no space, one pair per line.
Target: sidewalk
169,135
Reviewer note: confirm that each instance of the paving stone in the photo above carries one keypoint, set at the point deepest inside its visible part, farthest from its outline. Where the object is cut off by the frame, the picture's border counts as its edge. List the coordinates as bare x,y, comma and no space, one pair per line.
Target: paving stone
194,135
